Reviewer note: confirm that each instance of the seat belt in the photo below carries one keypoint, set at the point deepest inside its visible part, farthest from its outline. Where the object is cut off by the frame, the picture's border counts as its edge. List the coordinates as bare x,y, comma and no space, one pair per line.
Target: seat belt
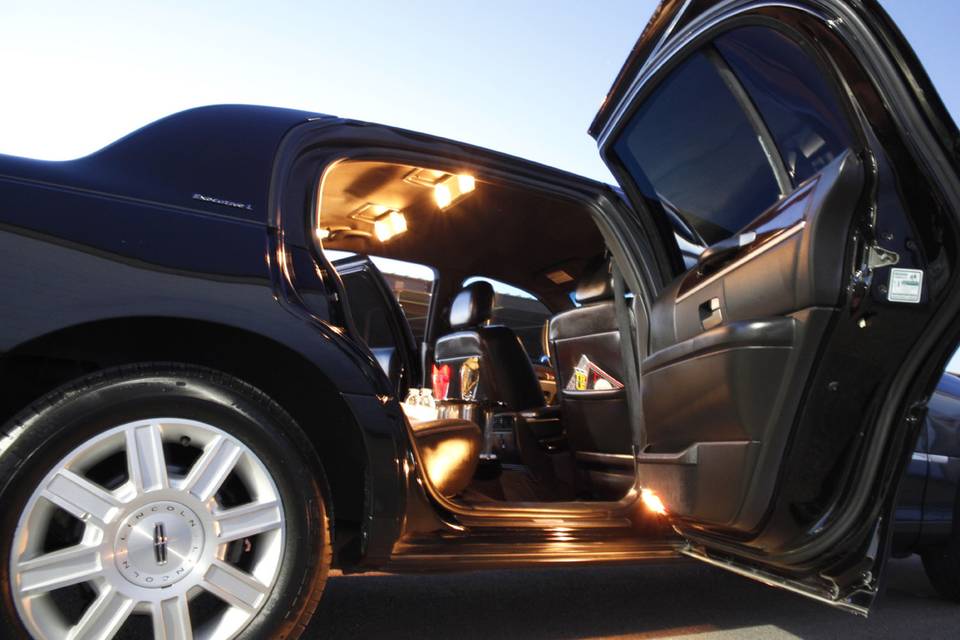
629,354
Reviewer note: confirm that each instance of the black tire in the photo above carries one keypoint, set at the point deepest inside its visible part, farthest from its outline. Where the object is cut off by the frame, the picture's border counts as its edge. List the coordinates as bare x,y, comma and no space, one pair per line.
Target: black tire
43,434
942,565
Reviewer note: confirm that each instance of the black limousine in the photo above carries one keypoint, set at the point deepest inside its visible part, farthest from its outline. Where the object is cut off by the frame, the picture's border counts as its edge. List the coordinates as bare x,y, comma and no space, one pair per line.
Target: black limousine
213,395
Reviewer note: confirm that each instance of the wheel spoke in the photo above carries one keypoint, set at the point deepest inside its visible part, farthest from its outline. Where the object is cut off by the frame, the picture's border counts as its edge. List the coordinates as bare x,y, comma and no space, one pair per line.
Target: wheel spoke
81,498
145,460
171,620
215,464
104,617
146,547
234,586
248,520
58,569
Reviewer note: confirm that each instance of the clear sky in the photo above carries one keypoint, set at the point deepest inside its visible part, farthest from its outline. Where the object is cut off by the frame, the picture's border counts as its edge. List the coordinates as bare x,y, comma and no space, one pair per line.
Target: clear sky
521,76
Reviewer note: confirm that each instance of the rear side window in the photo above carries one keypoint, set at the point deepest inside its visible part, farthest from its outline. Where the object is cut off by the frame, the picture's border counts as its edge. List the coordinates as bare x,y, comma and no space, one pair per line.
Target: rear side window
797,105
521,311
692,145
411,283
370,315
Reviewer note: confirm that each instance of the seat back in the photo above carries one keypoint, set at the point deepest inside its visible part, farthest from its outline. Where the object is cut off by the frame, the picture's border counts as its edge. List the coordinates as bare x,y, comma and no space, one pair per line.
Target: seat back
585,346
487,363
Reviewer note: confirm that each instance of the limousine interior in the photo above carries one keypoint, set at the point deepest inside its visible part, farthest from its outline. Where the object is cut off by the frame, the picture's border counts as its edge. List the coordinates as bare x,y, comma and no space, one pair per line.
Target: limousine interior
508,323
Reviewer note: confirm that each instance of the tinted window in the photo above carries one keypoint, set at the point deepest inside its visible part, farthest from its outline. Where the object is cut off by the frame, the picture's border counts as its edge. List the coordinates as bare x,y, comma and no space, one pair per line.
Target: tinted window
691,144
370,314
521,311
797,105
411,283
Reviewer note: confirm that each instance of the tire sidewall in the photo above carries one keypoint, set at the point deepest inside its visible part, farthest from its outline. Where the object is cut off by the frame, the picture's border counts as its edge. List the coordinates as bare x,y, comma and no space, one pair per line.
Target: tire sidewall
65,420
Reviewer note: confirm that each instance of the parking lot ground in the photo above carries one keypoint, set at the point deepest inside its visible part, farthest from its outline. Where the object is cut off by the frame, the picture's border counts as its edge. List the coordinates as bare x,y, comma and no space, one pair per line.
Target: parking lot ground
683,599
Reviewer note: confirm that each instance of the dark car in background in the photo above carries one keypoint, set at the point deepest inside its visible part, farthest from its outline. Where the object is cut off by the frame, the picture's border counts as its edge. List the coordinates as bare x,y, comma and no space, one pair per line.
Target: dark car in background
206,409
930,495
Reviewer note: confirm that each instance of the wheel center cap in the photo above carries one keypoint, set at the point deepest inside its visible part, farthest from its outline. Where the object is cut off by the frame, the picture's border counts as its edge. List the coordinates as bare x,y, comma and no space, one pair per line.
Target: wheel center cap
158,544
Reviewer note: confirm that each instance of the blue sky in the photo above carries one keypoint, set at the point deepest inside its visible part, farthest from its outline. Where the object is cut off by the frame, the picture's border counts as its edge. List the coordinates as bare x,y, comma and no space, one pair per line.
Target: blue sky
521,76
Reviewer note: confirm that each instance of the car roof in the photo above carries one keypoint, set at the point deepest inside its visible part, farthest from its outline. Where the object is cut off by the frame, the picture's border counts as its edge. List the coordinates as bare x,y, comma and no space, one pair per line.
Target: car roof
215,158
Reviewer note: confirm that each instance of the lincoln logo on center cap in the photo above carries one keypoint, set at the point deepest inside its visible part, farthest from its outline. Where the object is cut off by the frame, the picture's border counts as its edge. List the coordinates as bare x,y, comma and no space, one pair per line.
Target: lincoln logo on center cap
160,544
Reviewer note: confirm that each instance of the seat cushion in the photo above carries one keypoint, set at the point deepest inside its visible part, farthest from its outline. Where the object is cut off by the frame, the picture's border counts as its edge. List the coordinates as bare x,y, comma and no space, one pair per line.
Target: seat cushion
449,451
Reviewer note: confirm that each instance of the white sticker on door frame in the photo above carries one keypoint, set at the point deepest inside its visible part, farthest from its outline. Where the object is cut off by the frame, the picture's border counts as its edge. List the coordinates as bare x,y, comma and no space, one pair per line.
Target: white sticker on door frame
906,285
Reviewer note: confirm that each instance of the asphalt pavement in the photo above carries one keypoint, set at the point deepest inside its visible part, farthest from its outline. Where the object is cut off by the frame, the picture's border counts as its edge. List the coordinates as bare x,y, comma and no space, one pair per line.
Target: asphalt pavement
682,599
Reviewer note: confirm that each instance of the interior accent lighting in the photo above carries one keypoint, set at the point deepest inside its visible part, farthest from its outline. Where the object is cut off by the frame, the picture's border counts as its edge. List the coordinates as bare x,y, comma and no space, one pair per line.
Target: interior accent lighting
390,224
652,502
453,189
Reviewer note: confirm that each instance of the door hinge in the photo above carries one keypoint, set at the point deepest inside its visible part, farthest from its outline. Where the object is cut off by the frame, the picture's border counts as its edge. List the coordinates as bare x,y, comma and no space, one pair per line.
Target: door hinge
862,278
878,257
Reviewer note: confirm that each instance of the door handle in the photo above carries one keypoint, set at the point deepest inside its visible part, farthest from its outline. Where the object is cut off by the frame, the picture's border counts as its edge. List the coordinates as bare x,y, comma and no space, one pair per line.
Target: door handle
710,313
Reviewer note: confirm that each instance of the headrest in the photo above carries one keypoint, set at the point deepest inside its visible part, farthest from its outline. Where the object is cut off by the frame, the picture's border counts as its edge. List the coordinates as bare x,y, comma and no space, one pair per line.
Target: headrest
472,306
595,283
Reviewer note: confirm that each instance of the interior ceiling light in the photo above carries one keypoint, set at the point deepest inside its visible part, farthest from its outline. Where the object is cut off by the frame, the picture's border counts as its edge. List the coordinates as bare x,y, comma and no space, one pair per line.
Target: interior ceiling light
453,189
425,177
369,212
390,224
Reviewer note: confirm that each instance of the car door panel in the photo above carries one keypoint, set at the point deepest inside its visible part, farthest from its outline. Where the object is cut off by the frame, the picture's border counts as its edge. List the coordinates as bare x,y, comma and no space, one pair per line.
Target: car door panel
730,386
796,260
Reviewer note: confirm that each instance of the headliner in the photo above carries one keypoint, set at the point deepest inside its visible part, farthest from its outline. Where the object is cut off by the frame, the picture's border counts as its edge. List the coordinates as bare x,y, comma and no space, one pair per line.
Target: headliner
506,232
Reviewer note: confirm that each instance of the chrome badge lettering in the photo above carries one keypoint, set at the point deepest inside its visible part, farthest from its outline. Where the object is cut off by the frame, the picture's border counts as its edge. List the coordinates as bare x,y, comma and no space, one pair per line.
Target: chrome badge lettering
221,201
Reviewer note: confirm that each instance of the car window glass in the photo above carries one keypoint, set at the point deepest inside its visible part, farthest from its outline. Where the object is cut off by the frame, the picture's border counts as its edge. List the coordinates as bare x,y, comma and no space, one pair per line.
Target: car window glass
690,145
794,100
370,315
519,310
411,283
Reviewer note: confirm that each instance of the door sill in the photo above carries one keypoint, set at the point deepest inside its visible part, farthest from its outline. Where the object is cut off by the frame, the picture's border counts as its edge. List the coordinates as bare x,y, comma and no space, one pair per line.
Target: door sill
510,547
545,514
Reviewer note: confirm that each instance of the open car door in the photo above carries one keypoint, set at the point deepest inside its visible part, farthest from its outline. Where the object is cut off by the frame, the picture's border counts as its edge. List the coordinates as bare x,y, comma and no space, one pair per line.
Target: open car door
377,320
783,376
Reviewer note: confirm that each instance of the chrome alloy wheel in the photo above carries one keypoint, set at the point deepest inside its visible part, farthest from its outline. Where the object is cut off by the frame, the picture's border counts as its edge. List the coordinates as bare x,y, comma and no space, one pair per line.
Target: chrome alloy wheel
189,512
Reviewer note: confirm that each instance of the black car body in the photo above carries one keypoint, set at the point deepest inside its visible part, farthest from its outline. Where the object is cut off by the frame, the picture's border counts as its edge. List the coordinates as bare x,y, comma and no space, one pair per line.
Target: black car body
928,498
765,402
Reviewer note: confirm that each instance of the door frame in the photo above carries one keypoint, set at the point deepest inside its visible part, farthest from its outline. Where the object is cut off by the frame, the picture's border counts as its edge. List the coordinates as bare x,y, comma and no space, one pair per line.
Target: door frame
324,143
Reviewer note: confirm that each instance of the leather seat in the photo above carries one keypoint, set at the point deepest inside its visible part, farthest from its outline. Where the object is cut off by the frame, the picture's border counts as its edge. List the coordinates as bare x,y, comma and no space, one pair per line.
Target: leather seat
585,347
488,362
449,451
